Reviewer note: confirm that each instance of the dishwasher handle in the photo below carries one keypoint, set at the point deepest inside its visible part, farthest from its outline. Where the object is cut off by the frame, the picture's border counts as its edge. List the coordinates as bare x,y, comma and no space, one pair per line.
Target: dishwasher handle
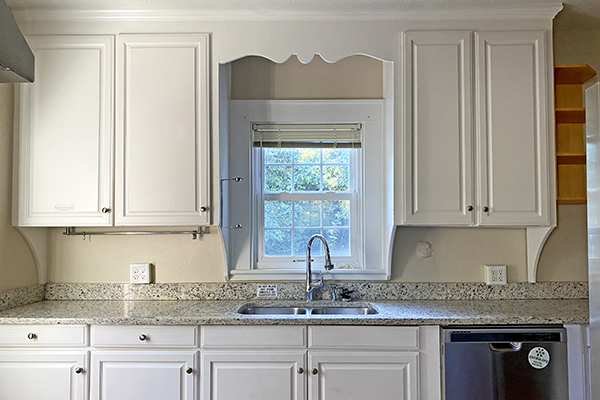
506,347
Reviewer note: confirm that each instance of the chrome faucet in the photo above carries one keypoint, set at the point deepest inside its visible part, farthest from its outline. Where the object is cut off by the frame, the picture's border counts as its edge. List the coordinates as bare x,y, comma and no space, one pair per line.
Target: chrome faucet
310,284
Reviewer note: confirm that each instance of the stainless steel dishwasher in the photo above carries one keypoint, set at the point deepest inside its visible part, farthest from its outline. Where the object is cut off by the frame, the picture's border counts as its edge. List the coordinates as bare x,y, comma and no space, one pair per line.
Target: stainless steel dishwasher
505,363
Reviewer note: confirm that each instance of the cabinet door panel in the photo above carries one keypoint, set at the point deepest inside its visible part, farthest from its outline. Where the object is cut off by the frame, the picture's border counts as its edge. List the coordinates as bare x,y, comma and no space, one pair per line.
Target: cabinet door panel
162,130
513,127
157,375
438,127
363,375
28,375
65,129
246,375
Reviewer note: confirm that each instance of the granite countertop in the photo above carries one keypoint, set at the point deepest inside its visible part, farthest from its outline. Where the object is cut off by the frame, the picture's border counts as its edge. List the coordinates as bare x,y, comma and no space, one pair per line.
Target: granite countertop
224,312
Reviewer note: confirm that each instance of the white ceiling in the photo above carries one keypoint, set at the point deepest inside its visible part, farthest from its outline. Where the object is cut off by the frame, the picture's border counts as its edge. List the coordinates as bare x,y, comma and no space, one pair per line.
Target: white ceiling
577,14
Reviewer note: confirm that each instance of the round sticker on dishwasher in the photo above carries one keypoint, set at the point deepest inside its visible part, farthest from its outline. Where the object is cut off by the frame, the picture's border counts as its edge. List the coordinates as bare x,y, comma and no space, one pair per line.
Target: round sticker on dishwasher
539,357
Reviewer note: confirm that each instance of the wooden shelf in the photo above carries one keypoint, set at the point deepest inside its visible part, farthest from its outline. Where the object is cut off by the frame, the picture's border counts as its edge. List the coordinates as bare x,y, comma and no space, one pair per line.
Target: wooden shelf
572,200
570,115
573,74
570,158
570,140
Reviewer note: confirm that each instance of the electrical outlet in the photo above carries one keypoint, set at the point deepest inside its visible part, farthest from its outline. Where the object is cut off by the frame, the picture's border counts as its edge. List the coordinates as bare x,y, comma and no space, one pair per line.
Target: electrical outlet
141,273
496,274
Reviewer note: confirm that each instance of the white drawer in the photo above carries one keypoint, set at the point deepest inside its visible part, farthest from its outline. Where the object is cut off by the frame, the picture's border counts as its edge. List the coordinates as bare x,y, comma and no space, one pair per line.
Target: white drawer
254,336
43,335
388,337
144,336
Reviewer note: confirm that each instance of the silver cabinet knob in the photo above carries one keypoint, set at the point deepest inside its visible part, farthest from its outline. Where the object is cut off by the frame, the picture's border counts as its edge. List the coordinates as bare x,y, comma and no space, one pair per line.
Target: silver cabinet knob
203,209
105,210
300,370
189,370
469,208
315,371
32,336
78,370
486,209
143,337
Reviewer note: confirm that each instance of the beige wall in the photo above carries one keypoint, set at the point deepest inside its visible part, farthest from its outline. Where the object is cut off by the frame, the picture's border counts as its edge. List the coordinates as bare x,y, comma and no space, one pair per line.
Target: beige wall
99,259
565,255
256,78
17,265
458,254
574,46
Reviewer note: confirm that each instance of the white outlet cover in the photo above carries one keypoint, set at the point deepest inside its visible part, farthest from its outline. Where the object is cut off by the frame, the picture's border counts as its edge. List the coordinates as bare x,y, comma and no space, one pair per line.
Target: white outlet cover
140,273
495,274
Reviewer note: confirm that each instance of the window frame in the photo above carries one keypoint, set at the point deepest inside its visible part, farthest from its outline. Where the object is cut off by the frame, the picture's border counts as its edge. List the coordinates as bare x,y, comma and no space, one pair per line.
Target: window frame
239,216
355,195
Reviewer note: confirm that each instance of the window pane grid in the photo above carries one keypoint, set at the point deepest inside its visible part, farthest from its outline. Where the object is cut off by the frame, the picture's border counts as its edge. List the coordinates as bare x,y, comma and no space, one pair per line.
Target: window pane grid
306,191
305,170
306,218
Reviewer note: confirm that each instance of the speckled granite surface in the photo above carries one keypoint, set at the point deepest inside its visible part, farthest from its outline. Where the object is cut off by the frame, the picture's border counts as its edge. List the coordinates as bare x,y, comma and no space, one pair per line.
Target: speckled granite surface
20,297
224,312
295,291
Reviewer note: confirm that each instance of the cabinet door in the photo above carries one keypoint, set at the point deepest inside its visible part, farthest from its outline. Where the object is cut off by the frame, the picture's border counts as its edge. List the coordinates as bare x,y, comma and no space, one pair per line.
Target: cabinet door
65,133
143,375
162,130
363,375
246,375
48,375
512,127
438,128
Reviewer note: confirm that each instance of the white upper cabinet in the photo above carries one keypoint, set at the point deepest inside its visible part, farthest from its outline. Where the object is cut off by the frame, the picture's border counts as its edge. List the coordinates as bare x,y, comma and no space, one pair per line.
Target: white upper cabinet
65,133
439,135
512,127
162,153
480,162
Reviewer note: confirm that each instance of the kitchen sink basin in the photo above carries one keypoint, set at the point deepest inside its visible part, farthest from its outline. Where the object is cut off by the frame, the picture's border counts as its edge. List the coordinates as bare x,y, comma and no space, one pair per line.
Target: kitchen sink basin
343,311
272,310
321,310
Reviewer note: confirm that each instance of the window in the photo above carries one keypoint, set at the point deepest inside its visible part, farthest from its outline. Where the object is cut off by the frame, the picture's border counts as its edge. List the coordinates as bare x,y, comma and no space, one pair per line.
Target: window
308,166
309,183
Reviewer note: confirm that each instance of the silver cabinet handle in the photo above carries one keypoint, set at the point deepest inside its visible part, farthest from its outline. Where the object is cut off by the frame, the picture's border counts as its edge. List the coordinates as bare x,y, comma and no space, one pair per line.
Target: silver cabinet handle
486,209
203,209
300,370
315,371
78,370
143,337
189,370
32,336
469,208
105,210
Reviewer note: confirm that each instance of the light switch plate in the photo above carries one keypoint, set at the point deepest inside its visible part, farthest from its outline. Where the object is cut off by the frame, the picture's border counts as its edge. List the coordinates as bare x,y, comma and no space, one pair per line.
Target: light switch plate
495,274
141,273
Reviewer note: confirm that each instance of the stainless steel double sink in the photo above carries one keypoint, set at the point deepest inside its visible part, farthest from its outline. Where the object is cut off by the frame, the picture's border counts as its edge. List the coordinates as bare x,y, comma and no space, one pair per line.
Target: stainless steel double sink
317,310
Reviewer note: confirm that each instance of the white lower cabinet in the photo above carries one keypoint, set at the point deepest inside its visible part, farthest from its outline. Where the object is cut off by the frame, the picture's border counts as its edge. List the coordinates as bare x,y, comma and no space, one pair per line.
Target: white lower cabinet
362,375
245,375
43,374
142,375
336,362
144,362
43,362
221,363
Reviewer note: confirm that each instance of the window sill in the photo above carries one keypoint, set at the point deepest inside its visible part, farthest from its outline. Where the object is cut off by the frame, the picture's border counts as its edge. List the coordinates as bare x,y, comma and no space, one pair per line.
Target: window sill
300,274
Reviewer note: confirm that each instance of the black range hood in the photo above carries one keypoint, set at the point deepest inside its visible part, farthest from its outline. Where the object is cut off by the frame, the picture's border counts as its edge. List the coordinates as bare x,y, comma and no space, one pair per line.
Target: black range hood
16,58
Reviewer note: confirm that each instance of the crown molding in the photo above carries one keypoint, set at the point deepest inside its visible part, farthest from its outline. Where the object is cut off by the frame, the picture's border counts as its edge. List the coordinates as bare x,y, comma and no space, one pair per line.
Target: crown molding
492,12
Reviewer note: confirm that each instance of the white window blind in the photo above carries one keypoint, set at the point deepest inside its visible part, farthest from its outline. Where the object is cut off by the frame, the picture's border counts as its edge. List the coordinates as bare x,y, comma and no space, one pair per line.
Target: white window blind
307,136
